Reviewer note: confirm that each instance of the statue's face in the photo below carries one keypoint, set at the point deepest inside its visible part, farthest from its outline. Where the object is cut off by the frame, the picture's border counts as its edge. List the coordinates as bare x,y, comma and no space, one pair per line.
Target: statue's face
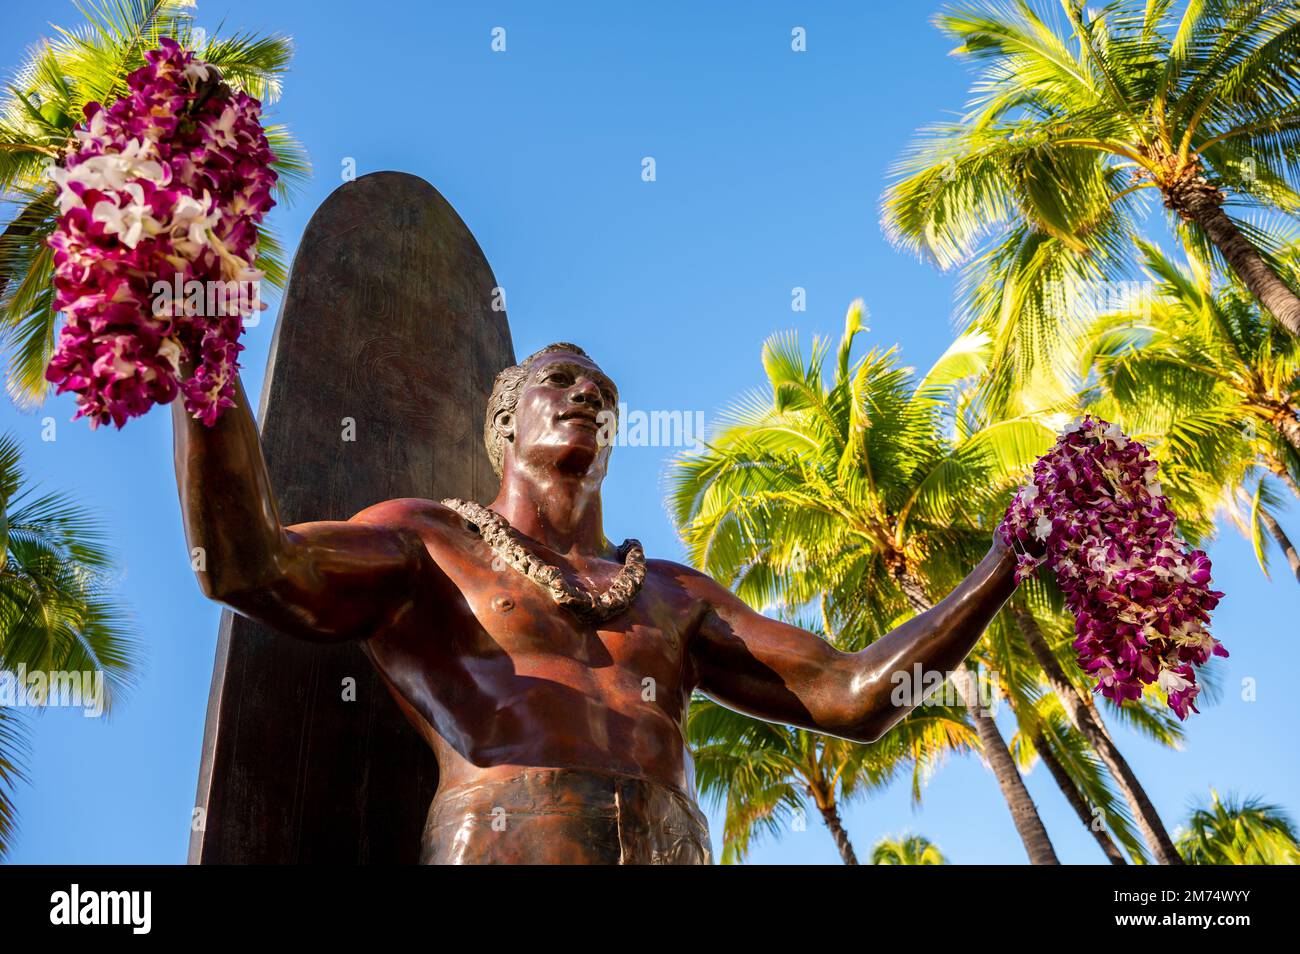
563,416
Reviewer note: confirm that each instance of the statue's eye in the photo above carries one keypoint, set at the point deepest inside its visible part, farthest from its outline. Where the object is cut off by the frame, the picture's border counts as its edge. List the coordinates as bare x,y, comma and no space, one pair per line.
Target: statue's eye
557,377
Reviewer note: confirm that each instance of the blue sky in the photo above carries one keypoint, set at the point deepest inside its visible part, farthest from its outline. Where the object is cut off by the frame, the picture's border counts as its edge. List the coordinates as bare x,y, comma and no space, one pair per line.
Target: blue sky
769,168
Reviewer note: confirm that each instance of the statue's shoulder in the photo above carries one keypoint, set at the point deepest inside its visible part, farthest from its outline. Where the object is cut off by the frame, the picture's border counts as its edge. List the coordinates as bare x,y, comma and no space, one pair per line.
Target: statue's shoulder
693,594
697,583
413,513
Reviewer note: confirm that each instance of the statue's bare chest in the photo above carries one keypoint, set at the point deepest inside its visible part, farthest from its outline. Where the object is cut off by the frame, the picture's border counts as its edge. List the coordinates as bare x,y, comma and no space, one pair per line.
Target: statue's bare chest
506,676
503,611
485,627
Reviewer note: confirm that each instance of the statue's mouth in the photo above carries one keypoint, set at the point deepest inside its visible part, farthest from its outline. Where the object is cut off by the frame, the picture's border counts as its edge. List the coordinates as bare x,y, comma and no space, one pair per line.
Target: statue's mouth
583,417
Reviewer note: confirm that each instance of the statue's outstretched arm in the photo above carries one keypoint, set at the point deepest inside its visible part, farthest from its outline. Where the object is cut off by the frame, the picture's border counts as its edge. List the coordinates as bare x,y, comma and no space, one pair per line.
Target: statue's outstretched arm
320,581
781,673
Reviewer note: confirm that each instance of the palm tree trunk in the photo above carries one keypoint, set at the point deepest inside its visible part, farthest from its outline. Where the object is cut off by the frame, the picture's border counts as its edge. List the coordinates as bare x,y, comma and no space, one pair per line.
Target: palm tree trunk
1283,541
1288,425
914,590
831,816
1076,800
1024,813
1084,718
1281,473
1090,704
1201,203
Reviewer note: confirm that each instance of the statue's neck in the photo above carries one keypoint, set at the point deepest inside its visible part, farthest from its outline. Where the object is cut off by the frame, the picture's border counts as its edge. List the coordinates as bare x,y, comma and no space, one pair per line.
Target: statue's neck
558,511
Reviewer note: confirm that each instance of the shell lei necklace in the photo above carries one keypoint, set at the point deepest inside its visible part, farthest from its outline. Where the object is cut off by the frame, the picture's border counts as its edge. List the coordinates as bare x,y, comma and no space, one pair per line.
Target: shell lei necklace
508,545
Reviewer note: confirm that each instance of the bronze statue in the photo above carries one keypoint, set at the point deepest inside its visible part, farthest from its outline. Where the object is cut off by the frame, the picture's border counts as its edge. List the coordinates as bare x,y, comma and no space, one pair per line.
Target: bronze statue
549,669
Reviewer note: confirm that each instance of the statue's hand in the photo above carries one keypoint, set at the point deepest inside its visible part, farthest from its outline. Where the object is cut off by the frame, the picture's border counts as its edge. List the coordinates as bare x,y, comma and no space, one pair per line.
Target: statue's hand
1032,545
214,83
1029,544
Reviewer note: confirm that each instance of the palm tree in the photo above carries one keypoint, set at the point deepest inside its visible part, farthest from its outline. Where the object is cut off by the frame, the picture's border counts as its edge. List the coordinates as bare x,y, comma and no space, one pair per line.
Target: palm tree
1046,748
1201,376
907,850
1239,832
852,492
1075,117
1034,610
38,113
57,612
1059,670
767,564
765,775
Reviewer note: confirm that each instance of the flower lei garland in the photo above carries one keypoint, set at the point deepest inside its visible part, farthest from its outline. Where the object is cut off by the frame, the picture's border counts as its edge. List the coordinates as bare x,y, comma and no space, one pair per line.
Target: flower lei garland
1139,595
168,184
507,546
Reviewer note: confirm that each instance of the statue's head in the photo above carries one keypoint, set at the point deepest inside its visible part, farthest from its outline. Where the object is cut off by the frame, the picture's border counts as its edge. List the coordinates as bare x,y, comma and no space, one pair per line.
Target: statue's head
556,408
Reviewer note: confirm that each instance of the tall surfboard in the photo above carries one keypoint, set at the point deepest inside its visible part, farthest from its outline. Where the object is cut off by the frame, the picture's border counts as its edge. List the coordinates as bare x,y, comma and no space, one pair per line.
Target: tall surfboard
383,358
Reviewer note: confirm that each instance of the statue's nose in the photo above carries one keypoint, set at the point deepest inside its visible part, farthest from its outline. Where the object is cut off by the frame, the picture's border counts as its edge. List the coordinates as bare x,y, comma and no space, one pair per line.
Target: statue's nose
585,392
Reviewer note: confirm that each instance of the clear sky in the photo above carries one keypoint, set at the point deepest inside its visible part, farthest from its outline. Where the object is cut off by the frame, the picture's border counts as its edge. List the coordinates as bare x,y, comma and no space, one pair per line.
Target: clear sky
769,165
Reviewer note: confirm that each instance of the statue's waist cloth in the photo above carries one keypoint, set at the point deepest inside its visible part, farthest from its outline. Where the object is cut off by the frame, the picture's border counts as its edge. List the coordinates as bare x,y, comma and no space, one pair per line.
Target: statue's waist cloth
565,816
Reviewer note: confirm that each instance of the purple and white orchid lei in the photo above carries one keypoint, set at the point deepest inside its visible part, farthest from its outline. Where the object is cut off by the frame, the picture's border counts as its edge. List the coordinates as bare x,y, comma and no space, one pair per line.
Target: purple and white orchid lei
167,184
1140,597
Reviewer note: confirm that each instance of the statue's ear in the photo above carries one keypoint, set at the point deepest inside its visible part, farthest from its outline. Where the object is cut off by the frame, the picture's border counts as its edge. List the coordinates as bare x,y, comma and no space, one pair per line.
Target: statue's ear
504,422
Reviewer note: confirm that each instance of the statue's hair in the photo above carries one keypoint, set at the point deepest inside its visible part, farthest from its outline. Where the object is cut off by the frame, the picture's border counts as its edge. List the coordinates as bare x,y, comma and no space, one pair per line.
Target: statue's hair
505,398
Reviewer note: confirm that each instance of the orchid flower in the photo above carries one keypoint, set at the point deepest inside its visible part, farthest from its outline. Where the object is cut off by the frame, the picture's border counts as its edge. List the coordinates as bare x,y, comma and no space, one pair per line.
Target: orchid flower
157,187
1139,595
